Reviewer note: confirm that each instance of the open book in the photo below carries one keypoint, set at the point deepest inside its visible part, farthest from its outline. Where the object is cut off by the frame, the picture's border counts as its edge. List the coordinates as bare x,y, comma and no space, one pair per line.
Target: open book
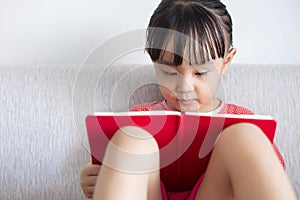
185,139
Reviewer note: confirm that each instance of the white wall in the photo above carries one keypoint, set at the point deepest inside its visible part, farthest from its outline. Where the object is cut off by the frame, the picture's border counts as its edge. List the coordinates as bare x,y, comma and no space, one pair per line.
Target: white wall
57,31
266,31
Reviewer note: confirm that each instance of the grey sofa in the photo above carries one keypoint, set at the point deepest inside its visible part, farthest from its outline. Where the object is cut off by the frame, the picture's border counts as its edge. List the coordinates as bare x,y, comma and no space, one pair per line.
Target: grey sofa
43,143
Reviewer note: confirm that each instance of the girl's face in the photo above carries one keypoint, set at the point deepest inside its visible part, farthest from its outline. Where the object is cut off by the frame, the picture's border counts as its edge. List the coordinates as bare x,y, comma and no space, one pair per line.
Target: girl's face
190,88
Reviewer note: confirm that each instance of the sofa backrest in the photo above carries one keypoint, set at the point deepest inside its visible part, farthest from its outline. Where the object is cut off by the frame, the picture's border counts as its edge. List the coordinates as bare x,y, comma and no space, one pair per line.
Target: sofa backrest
43,142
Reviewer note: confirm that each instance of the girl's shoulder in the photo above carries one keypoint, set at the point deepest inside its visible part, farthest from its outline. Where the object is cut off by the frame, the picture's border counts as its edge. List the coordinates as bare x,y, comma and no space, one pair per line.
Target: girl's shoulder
235,109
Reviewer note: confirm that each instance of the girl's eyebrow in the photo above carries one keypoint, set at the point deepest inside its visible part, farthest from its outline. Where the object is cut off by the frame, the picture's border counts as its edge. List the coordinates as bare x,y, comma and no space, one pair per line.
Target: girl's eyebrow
205,66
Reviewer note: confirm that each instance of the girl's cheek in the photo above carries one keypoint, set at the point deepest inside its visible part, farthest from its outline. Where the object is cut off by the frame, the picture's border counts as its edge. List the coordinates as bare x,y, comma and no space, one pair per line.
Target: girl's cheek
212,82
168,83
166,91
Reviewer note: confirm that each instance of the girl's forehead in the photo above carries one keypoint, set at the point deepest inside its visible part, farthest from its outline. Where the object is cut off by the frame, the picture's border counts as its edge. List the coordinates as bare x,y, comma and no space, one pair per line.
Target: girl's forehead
178,41
174,47
190,48
190,53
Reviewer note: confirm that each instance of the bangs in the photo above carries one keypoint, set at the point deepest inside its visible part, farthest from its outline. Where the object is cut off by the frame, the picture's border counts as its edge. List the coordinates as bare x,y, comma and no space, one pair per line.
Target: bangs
186,28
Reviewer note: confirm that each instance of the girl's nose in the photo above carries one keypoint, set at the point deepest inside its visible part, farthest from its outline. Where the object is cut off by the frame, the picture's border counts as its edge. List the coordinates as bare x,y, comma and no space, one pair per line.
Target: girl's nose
184,84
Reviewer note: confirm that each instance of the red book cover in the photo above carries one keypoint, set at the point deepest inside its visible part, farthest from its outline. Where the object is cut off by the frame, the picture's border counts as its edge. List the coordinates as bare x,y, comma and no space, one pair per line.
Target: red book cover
185,140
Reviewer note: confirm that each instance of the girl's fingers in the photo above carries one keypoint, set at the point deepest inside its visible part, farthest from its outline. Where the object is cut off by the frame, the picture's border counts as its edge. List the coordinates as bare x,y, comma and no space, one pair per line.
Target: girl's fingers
94,170
89,170
91,181
89,191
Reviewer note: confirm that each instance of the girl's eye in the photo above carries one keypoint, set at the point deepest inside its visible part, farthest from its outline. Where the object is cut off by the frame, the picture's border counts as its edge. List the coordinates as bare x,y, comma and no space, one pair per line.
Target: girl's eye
201,73
170,73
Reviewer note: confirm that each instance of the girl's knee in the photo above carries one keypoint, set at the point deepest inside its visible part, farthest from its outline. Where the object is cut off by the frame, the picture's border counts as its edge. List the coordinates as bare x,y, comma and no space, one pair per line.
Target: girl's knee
243,132
135,140
132,150
242,136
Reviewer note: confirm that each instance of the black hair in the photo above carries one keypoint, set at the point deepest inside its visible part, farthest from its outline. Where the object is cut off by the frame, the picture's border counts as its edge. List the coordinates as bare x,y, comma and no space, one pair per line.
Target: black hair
205,21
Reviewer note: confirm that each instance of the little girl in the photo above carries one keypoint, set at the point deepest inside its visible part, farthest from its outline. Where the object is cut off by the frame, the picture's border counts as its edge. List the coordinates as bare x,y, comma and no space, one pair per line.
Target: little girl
190,44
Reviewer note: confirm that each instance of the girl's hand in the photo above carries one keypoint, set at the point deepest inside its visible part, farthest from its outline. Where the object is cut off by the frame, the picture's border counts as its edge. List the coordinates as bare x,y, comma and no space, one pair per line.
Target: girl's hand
88,178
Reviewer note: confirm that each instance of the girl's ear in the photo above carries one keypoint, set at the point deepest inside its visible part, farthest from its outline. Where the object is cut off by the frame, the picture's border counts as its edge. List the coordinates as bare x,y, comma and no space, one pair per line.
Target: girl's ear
228,60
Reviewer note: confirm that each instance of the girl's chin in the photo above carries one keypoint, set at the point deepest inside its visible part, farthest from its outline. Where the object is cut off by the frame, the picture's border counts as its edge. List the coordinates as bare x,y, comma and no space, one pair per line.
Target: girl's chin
188,105
184,105
192,106
189,102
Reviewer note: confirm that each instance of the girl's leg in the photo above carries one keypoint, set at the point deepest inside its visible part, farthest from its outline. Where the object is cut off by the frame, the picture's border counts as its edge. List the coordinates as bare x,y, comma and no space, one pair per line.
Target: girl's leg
130,167
244,166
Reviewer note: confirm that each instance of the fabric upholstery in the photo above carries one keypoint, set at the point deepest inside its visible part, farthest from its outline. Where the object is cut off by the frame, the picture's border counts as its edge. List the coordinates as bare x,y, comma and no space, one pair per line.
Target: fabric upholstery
43,142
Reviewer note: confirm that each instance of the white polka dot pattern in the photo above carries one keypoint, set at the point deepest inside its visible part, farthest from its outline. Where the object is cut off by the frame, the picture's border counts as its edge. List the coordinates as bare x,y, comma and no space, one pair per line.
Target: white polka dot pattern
227,109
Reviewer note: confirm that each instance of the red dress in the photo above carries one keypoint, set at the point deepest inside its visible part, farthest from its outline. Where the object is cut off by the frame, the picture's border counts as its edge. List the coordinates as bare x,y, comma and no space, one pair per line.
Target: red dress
222,109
